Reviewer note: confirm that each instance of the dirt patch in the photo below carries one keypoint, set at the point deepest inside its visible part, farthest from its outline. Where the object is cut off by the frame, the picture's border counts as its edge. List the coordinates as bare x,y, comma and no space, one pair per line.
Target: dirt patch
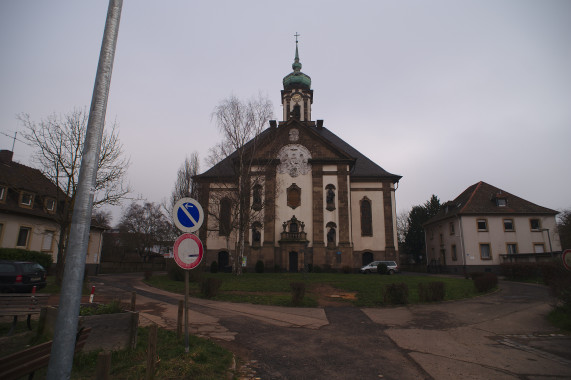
327,295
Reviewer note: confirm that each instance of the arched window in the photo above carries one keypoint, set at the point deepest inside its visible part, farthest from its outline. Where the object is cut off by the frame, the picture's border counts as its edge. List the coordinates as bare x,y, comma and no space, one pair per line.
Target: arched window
366,218
225,216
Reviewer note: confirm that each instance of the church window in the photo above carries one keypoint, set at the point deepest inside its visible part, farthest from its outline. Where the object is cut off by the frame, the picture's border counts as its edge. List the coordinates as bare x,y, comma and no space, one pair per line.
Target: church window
366,218
225,216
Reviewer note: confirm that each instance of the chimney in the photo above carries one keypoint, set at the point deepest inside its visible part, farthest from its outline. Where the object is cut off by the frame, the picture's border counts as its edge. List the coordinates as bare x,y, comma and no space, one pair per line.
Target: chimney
319,124
6,156
273,124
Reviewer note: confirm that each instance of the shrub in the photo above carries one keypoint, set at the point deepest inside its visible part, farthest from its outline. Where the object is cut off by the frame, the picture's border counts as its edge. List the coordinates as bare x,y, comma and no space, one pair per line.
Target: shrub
347,269
317,269
327,268
209,287
277,268
559,281
174,272
396,294
44,259
259,266
214,267
382,268
297,292
195,275
520,271
485,281
112,307
434,291
310,268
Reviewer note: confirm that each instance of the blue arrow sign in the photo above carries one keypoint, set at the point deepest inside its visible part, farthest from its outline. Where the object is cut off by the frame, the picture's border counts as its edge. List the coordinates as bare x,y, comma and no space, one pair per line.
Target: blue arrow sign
187,215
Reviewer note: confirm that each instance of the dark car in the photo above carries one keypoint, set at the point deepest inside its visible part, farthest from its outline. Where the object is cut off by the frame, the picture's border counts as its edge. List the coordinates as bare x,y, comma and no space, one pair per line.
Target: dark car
21,276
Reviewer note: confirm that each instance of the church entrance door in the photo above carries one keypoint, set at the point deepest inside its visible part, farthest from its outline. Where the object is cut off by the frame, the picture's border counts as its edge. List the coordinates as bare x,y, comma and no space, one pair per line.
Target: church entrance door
223,260
293,262
367,258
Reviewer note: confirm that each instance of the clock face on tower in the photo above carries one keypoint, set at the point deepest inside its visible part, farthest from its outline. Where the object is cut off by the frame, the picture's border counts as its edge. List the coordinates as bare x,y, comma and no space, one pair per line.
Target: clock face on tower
296,98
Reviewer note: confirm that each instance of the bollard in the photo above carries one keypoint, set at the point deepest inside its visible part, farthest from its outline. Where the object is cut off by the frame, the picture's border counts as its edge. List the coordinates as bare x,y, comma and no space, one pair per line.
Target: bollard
92,294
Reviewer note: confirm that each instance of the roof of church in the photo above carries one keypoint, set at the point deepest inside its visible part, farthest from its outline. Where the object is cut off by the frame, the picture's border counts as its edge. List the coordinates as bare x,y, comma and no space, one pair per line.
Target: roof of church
362,168
482,199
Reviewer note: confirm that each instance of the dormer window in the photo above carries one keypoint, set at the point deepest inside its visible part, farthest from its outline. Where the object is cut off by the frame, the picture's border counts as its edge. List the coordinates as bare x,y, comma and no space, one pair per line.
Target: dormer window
501,202
50,204
3,192
26,199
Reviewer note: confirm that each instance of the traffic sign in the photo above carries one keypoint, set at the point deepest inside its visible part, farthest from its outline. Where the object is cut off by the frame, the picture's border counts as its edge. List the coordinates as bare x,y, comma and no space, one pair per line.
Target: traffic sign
188,251
187,215
566,256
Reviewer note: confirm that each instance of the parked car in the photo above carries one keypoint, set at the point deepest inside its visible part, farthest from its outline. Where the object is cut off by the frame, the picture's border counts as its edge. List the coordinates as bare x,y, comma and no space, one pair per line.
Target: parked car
21,276
392,267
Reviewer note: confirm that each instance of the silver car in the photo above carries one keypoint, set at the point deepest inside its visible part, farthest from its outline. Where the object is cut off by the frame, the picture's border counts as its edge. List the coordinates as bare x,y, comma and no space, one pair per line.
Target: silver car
392,267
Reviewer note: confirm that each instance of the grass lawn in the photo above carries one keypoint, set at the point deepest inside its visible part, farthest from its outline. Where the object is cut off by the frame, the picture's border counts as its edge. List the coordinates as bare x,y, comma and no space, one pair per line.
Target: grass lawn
274,288
205,360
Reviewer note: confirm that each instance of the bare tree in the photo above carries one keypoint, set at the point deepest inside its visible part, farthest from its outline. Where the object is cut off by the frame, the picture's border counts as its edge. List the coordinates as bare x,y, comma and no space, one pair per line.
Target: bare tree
58,142
238,204
402,227
144,228
185,185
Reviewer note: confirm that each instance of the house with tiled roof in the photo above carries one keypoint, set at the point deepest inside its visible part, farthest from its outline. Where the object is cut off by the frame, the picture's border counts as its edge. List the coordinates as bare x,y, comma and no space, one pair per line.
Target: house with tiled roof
30,210
325,203
485,226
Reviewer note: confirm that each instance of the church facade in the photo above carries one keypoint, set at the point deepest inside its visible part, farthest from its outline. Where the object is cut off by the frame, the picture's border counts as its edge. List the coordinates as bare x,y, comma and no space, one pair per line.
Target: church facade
314,200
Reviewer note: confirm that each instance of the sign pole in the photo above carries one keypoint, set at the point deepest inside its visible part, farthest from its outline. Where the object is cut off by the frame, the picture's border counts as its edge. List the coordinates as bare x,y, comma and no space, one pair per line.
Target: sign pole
187,215
186,348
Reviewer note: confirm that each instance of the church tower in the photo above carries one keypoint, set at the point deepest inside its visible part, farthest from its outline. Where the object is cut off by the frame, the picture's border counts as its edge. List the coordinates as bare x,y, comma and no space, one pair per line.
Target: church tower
297,95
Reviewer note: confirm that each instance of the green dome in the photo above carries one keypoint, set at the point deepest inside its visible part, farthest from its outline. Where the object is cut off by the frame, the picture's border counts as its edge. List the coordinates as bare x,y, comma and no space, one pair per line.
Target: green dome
296,79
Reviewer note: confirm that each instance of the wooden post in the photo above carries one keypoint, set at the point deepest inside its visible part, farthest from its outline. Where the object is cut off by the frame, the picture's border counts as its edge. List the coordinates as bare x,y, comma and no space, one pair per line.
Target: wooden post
179,319
152,352
133,300
42,322
134,326
103,365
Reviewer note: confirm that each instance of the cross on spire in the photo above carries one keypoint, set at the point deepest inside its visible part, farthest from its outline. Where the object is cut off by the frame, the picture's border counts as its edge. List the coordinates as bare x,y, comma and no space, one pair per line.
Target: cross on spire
296,35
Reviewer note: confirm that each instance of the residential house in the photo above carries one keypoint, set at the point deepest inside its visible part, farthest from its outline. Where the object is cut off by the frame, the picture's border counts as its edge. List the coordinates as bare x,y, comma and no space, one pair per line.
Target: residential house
30,205
486,226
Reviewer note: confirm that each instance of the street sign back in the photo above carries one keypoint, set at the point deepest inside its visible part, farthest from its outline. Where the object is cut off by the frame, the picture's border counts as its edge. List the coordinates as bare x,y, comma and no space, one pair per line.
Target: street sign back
567,258
187,215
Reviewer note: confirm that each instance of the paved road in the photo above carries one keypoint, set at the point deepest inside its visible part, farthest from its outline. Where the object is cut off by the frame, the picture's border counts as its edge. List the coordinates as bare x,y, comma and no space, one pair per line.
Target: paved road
499,336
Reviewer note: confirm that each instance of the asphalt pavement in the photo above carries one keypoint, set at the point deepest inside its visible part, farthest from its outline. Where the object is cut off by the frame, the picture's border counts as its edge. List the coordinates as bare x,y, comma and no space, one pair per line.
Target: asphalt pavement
504,335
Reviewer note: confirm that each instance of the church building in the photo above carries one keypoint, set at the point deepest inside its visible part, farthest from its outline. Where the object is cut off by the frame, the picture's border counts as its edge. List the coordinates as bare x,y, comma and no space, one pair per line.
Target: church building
314,200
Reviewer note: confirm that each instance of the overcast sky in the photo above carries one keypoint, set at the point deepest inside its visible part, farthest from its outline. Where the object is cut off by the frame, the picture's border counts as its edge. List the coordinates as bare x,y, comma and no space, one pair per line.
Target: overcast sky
444,93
